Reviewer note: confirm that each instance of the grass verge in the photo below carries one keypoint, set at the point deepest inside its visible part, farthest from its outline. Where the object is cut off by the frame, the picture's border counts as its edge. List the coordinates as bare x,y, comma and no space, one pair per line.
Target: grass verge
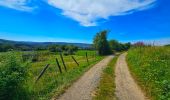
150,67
106,89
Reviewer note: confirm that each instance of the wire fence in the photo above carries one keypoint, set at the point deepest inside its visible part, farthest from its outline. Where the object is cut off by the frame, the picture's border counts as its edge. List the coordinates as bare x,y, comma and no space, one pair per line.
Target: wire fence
64,64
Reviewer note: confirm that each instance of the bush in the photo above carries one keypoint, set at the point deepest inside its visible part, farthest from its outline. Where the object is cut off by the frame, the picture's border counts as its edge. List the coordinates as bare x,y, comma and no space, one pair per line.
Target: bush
31,56
12,76
52,48
35,57
65,53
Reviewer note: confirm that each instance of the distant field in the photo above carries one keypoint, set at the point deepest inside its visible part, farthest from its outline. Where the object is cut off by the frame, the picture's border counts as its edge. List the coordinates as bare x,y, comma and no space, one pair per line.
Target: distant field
53,82
150,66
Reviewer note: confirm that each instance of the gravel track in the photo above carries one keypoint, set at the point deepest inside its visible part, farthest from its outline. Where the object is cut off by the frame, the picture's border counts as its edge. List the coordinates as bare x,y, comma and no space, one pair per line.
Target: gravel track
83,88
126,88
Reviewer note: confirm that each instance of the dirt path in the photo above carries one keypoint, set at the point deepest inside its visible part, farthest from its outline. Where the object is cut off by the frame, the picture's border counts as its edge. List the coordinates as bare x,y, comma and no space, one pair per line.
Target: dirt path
126,88
82,89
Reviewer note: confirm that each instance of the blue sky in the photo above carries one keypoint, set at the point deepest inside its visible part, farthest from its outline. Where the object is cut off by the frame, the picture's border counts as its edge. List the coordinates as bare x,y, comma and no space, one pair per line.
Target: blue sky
79,20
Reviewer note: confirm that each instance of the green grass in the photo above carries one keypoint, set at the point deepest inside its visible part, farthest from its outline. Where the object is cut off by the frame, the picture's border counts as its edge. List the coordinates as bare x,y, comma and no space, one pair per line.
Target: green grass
150,66
53,82
106,89
82,52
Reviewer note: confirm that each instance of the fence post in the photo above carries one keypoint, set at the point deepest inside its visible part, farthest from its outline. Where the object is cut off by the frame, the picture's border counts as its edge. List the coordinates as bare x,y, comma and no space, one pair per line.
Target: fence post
59,67
63,62
87,58
75,61
42,72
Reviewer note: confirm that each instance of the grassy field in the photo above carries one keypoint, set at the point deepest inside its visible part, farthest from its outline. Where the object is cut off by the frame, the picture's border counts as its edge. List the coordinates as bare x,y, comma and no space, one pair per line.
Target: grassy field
150,66
106,89
53,82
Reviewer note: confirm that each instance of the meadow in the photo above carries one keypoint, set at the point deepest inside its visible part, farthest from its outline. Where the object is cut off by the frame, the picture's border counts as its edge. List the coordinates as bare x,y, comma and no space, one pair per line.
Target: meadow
150,66
52,82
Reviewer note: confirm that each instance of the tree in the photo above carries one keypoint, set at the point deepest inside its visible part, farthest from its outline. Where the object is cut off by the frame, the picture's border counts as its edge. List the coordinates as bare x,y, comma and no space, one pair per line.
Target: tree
117,46
127,45
52,48
168,45
6,47
114,45
70,49
101,44
63,47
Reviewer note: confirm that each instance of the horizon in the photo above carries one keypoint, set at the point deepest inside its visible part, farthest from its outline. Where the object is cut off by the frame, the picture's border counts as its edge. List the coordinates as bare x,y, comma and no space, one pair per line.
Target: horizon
45,41
147,42
79,21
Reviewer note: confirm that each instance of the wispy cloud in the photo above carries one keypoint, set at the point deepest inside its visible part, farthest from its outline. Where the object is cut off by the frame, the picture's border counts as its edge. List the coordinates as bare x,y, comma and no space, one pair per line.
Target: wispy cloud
88,12
22,5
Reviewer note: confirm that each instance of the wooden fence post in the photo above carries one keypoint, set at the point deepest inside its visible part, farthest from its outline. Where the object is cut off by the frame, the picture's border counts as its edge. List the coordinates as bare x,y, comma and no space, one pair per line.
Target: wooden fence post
42,72
59,67
87,58
63,61
75,61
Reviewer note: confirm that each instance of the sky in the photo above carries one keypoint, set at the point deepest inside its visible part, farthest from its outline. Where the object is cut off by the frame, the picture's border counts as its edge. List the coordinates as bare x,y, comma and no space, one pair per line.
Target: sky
80,20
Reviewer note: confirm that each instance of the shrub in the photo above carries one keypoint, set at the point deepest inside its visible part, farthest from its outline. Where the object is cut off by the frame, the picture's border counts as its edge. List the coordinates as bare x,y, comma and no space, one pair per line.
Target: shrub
35,57
52,48
65,53
32,56
12,76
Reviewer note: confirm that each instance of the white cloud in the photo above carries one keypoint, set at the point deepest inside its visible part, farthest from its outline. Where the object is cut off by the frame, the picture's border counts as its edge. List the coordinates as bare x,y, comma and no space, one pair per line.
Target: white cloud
88,12
21,5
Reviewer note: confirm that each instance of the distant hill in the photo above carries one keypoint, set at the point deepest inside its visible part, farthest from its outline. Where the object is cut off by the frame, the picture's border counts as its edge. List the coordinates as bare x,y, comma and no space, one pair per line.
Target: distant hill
34,44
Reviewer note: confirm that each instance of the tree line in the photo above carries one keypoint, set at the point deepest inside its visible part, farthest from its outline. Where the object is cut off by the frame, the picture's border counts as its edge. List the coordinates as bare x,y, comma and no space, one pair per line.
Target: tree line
105,47
4,47
100,43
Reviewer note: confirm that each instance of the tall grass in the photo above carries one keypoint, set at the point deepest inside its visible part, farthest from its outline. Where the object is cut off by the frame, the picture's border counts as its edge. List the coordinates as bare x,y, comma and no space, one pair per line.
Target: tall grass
151,68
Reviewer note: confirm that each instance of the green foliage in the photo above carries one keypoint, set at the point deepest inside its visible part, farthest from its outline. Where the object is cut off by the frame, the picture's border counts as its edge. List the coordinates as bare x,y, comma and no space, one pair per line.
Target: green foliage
70,49
150,66
116,46
6,47
168,45
66,49
17,81
101,44
35,57
32,56
52,48
12,75
106,89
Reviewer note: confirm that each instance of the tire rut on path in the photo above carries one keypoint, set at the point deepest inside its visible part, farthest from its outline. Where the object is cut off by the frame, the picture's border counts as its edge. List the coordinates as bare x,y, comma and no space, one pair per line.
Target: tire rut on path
82,89
126,88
